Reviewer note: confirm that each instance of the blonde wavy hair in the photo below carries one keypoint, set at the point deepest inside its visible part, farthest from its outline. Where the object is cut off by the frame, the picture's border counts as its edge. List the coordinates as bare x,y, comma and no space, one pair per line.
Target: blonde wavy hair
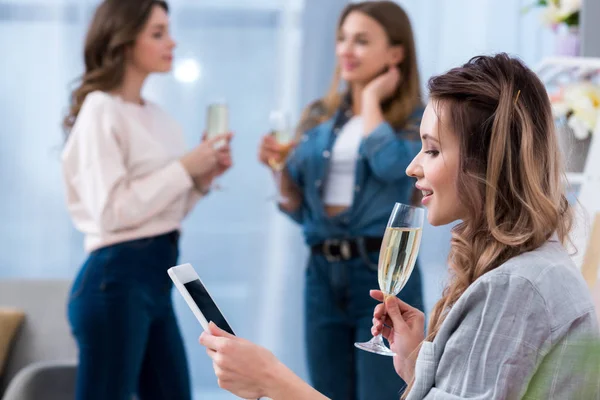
511,176
114,28
407,97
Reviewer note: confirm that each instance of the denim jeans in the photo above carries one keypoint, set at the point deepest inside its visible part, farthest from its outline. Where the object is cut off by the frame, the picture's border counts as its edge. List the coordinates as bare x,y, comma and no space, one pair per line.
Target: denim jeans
339,312
122,318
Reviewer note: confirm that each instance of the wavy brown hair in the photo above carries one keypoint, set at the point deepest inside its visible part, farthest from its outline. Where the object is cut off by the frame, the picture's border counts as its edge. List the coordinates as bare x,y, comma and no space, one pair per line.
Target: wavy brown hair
114,28
407,96
511,177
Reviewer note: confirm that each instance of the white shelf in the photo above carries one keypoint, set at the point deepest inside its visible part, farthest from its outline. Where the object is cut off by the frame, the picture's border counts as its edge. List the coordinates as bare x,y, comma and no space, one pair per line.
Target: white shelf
569,62
558,71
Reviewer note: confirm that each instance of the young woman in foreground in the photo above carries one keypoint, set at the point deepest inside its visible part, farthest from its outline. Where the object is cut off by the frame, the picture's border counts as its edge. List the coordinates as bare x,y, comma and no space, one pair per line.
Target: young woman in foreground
515,315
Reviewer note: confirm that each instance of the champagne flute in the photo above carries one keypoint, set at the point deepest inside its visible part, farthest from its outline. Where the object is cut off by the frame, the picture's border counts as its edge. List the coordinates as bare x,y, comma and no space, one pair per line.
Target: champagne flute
217,120
282,132
397,259
217,123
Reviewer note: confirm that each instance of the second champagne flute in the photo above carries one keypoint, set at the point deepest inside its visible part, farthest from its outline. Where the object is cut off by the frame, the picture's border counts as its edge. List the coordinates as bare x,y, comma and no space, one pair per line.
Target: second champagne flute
217,123
397,258
281,131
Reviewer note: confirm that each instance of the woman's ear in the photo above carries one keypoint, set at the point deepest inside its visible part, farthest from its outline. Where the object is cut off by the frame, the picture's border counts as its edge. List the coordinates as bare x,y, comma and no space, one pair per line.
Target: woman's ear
397,55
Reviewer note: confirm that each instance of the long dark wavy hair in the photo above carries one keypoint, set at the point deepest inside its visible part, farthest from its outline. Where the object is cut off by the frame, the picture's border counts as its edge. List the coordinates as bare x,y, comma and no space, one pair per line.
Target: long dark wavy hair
114,28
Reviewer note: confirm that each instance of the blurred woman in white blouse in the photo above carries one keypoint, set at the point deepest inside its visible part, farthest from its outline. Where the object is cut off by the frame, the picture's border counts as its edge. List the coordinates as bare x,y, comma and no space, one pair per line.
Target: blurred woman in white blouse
129,184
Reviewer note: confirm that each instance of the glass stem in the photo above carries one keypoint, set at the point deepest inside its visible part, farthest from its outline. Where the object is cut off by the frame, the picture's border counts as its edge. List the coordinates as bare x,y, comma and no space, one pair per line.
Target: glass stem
278,179
378,340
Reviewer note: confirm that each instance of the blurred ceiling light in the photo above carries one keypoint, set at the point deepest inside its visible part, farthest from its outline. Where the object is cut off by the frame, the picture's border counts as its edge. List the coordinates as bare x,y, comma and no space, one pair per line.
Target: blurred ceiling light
187,70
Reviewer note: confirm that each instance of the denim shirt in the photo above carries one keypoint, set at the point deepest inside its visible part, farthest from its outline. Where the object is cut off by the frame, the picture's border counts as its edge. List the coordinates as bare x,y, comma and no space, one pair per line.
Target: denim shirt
380,179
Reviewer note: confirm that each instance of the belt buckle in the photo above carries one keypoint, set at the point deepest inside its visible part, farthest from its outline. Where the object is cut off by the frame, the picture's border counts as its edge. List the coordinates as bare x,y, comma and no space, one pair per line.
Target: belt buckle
345,252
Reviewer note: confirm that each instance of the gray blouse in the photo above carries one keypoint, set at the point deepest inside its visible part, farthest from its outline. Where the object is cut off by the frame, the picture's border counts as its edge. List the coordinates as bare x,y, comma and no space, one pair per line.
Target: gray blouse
520,331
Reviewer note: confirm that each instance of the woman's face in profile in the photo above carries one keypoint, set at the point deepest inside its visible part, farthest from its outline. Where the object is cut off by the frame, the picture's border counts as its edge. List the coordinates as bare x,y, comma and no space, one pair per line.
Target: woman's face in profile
153,47
436,169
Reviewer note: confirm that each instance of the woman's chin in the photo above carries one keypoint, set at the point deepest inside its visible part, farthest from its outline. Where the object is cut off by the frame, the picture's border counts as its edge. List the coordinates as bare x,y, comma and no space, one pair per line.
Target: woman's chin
354,76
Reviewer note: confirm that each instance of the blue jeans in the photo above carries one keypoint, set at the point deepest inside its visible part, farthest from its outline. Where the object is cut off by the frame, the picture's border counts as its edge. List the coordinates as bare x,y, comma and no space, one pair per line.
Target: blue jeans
339,312
122,318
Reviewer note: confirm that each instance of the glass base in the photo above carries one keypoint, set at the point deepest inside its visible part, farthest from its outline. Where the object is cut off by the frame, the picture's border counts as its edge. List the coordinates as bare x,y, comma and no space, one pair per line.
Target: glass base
376,346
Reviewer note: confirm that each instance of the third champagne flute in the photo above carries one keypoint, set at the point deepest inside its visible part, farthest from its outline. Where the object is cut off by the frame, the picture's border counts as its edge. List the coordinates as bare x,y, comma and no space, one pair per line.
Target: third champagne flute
397,259
217,123
281,131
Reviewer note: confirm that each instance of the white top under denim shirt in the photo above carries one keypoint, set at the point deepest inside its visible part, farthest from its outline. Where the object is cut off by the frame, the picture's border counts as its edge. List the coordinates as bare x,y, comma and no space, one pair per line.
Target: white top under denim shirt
339,190
122,172
515,334
379,179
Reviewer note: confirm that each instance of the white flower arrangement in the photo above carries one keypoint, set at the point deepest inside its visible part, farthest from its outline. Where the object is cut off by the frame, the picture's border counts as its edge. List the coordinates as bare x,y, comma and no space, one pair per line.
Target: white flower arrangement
579,104
559,12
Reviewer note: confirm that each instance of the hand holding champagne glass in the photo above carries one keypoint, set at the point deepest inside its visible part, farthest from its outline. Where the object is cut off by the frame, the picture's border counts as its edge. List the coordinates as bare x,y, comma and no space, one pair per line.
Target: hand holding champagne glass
284,143
397,259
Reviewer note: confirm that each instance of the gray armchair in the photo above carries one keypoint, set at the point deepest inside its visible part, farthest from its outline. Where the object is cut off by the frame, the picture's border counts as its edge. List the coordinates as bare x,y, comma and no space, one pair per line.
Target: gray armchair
41,364
43,380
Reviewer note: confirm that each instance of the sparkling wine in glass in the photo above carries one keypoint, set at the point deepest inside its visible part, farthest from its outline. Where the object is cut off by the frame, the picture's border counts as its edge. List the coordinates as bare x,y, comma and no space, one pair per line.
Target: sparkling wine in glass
397,259
217,120
217,123
282,132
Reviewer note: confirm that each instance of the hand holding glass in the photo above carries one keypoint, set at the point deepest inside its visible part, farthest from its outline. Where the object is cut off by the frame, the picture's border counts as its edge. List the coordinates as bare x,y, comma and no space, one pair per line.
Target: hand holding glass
397,259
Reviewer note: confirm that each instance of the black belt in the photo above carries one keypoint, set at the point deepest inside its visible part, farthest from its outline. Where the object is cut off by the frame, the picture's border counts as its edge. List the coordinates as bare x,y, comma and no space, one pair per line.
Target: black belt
345,249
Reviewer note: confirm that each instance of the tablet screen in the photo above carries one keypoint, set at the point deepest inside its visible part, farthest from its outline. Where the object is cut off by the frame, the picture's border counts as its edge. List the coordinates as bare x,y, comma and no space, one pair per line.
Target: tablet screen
206,305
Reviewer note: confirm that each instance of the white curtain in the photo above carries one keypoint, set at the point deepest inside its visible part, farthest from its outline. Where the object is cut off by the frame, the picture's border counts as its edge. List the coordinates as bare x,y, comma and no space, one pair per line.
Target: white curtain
448,33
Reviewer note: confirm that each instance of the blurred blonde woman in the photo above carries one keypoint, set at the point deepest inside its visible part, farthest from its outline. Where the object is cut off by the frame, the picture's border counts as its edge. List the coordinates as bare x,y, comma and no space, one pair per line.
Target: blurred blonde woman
341,182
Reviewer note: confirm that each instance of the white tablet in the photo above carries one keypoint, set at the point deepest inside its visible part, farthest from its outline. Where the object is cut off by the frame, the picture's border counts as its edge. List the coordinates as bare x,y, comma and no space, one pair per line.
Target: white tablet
196,296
